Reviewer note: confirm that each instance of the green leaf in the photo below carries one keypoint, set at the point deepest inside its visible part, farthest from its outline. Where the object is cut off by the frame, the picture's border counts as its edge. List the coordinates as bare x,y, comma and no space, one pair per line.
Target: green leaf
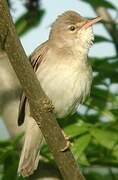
11,166
114,111
99,39
16,140
9,159
5,143
109,66
99,98
105,68
83,160
75,130
80,145
115,152
97,3
105,137
100,93
28,21
46,153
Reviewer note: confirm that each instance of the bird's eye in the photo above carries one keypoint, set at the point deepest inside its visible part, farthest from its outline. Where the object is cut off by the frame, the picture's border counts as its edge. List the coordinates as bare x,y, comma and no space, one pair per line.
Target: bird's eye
72,28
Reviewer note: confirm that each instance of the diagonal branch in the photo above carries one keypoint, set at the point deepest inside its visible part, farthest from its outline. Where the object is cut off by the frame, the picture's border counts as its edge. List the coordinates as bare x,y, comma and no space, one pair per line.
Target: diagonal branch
37,99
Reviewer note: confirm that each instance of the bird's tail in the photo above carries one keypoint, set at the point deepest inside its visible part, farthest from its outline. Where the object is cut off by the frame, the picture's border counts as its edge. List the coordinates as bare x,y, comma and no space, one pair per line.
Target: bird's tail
31,150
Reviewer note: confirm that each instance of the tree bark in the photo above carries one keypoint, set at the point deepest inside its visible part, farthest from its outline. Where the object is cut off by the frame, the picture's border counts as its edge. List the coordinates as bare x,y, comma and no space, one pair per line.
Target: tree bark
39,103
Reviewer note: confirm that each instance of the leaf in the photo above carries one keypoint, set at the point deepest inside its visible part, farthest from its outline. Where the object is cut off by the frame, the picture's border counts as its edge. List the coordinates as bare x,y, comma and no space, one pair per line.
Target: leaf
9,157
16,140
105,137
80,145
109,66
105,68
114,111
5,143
75,130
46,153
100,93
97,3
99,98
83,160
10,167
28,20
115,152
99,39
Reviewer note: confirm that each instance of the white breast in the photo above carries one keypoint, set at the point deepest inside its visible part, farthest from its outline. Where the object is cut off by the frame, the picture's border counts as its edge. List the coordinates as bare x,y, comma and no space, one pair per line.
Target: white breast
66,82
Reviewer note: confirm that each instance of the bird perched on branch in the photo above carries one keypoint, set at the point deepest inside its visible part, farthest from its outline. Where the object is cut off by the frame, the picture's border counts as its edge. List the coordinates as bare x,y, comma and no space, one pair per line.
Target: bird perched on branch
65,75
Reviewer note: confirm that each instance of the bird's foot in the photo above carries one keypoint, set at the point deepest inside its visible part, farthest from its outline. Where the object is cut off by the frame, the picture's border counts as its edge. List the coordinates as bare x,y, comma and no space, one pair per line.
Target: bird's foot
67,146
68,143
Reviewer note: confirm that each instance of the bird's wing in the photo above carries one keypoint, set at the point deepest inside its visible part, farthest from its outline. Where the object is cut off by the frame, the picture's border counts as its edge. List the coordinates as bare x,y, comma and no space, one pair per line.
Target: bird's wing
36,58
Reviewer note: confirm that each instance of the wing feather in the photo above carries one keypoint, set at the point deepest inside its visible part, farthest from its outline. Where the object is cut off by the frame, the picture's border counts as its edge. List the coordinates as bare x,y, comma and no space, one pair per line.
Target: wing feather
36,58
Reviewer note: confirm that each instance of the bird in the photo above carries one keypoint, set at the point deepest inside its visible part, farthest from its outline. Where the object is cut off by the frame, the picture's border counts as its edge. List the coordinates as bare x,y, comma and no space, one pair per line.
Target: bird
62,67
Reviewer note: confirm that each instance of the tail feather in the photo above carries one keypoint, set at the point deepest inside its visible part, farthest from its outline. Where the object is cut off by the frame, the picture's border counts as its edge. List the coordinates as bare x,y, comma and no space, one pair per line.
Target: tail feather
31,150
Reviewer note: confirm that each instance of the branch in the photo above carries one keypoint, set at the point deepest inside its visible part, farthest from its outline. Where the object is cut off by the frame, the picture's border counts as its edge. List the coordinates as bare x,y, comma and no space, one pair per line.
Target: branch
37,99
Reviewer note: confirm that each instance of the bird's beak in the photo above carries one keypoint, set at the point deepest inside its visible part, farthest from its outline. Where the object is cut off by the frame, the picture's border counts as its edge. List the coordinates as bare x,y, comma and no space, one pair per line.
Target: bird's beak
90,22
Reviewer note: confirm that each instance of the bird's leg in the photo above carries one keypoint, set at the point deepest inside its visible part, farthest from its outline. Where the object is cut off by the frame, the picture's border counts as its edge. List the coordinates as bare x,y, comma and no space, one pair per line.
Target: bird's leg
68,143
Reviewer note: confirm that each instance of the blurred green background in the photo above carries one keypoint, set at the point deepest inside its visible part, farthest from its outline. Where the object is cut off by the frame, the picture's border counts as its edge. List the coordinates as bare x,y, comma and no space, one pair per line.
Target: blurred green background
93,130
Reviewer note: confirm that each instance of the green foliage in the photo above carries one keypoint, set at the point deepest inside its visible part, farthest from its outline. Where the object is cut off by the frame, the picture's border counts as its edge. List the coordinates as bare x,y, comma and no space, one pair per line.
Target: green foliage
97,175
9,158
80,144
97,3
99,39
29,20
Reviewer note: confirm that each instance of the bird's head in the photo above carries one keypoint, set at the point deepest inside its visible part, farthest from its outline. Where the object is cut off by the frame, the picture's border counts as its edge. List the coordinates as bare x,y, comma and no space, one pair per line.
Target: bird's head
71,29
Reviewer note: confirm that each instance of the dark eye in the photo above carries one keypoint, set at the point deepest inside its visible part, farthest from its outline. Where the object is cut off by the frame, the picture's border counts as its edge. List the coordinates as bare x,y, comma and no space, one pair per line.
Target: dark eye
72,28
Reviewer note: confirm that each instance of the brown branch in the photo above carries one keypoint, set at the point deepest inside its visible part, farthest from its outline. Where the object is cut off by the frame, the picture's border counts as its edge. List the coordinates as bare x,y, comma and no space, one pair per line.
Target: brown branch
37,99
